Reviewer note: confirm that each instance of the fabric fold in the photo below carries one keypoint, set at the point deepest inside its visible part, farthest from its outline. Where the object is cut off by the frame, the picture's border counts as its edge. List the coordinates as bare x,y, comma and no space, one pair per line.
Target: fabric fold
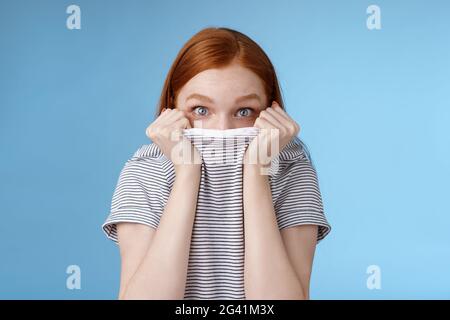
221,147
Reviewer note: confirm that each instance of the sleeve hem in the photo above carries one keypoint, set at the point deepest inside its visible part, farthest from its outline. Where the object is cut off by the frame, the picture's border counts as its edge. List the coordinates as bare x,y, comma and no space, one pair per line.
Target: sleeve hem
324,227
109,227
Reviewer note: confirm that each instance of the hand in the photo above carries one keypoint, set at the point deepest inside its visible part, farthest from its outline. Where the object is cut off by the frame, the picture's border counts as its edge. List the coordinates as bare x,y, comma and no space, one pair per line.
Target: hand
277,129
167,132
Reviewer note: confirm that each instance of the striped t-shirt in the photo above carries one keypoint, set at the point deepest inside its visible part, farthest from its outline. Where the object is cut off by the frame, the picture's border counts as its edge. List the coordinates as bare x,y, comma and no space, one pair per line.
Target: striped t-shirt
216,259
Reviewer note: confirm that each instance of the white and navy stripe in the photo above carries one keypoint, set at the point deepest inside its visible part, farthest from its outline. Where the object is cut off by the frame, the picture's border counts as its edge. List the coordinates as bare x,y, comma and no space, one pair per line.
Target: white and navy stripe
216,260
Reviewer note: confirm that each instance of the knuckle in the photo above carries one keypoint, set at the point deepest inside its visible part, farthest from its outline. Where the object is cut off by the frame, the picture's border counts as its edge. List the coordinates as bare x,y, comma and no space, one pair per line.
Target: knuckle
151,134
164,131
292,128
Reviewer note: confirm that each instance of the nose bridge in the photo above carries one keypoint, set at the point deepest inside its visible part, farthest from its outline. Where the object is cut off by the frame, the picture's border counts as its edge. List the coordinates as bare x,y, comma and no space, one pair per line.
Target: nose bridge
224,122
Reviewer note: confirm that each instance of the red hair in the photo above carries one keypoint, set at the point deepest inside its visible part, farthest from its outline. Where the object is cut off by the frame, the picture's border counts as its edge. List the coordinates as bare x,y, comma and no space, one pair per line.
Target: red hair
216,48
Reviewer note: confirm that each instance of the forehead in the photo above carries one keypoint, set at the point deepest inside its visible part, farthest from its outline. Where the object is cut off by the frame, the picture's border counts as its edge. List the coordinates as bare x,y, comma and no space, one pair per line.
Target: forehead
225,83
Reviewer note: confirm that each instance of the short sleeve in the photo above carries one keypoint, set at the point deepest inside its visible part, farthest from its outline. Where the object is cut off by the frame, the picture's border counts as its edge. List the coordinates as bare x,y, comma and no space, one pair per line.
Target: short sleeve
138,196
298,199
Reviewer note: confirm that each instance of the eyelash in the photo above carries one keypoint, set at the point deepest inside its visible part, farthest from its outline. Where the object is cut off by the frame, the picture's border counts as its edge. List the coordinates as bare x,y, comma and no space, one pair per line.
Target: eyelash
251,110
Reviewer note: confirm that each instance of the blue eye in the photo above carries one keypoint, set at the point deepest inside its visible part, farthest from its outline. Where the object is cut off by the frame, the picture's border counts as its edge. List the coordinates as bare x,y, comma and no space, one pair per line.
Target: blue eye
246,113
201,110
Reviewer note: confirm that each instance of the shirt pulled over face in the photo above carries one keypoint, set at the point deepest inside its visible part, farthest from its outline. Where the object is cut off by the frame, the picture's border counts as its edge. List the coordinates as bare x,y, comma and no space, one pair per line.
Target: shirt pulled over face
221,147
216,257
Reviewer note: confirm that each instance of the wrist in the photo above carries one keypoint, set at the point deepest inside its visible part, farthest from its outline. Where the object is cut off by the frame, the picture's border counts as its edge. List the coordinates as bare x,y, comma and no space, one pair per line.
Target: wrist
189,171
255,170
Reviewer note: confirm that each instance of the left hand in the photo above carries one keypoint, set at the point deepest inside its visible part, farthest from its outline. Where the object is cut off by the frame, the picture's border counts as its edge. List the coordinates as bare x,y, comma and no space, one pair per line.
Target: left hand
277,128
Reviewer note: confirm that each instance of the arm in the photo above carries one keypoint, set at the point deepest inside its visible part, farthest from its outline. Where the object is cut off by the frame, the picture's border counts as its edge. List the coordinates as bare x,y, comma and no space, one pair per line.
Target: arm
277,264
154,262
268,272
300,243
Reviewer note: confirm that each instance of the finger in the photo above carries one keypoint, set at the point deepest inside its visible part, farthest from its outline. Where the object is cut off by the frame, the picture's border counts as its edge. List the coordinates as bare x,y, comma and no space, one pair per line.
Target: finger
275,118
269,129
172,116
182,123
176,115
161,111
163,115
160,121
268,118
185,123
279,110
267,133
262,123
175,129
291,124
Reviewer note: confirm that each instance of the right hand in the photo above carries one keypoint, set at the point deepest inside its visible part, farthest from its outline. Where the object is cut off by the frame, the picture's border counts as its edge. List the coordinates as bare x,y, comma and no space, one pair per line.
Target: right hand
167,132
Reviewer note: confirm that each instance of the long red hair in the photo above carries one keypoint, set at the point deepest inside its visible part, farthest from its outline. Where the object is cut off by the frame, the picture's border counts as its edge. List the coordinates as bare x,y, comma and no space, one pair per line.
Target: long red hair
216,48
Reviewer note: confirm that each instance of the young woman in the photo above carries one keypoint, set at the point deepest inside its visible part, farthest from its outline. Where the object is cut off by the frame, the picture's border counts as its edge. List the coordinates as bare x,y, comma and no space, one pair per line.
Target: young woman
220,80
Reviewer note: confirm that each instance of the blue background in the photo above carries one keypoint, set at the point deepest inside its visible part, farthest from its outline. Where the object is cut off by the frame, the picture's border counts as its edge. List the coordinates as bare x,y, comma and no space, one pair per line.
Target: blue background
373,106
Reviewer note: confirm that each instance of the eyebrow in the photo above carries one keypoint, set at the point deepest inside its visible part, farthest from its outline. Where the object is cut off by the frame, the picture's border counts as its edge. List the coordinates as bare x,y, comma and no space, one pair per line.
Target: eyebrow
208,99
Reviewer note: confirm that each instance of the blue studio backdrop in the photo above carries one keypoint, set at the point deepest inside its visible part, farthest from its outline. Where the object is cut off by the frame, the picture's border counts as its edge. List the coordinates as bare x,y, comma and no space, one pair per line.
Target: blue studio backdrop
368,82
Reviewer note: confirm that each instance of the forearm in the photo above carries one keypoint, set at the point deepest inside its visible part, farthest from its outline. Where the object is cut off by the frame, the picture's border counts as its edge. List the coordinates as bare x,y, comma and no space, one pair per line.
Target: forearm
268,273
163,271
